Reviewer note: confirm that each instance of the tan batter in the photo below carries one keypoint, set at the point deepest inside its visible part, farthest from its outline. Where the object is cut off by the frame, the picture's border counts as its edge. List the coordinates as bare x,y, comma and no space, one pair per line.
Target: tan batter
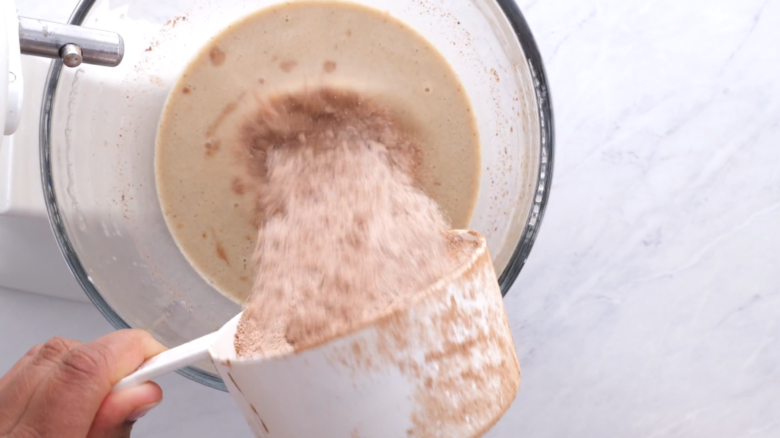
293,47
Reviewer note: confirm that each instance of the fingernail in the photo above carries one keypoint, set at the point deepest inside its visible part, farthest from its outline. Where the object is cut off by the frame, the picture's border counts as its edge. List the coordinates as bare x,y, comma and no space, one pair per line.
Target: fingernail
140,412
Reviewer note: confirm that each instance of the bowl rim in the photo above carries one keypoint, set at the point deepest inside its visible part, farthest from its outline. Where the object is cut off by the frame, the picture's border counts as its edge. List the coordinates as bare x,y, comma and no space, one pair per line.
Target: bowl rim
506,279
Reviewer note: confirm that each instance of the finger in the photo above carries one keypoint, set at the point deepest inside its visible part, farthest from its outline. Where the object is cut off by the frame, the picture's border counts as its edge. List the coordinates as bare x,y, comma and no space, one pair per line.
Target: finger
126,351
17,391
10,391
11,374
120,410
68,399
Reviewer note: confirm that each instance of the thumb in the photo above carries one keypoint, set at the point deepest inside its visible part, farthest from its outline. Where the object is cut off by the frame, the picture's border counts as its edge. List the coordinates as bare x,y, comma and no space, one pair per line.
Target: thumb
120,410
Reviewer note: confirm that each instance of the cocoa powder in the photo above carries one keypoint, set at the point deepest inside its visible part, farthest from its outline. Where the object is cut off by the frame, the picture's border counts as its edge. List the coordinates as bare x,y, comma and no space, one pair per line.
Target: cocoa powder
343,230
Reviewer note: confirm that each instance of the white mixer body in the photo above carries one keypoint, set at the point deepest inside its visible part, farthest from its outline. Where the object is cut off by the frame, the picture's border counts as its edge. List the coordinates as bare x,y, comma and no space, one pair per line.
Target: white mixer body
12,95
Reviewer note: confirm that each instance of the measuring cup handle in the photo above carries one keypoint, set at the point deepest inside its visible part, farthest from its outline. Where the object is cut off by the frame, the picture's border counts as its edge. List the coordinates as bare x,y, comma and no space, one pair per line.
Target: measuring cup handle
170,360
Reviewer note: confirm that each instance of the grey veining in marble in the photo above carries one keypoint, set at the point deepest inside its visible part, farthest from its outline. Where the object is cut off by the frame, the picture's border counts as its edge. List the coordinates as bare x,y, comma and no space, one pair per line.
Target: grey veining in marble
650,306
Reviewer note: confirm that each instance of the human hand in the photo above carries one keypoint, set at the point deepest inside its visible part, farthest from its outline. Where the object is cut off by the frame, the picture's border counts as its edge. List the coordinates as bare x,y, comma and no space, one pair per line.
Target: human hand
63,388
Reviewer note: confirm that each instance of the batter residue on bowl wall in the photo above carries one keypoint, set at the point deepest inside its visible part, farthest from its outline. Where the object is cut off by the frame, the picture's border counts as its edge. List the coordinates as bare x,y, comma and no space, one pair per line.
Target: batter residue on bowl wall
293,47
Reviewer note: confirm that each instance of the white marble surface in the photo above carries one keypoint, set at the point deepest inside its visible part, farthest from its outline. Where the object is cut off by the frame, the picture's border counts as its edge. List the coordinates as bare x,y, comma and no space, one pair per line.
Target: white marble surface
650,306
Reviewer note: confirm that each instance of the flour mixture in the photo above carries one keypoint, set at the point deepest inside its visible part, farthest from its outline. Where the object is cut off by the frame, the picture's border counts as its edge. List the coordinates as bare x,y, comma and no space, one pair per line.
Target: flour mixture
344,233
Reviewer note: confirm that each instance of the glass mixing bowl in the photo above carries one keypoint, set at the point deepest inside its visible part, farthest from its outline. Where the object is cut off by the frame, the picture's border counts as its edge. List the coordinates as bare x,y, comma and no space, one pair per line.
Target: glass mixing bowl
98,128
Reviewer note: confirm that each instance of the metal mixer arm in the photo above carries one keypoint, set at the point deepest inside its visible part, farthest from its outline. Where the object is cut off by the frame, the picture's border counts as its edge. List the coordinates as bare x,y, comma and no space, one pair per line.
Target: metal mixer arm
74,44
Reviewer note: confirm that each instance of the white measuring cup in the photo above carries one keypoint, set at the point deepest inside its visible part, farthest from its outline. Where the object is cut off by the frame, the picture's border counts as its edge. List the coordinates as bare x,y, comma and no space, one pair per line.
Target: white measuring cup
440,364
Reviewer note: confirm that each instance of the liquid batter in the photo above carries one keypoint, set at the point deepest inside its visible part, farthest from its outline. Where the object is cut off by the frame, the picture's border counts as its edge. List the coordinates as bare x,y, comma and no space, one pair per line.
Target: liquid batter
289,48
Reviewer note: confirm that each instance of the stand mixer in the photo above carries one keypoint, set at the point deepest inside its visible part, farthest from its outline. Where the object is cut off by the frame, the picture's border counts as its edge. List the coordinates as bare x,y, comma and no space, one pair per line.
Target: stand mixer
29,36
97,126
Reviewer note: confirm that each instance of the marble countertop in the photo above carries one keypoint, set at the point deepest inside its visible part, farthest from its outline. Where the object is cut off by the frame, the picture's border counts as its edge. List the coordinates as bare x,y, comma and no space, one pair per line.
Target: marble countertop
650,305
